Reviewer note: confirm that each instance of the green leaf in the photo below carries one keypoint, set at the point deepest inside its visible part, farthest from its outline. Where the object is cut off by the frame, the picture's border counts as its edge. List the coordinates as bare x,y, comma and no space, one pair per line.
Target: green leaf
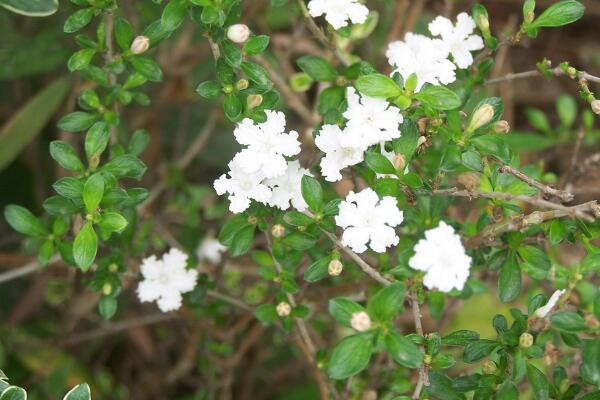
508,391
509,281
31,8
23,221
231,228
65,155
561,13
538,382
257,74
317,68
493,145
472,160
242,241
534,256
475,351
266,313
566,107
45,252
403,350
96,141
406,144
30,119
299,241
173,14
77,121
78,20
379,163
256,45
123,33
439,97
460,338
138,142
14,393
80,59
297,218
590,368
317,270
107,307
312,193
69,187
232,107
231,53
85,246
147,67
93,190
350,356
378,85
125,165
111,221
209,90
341,309
567,321
79,392
387,302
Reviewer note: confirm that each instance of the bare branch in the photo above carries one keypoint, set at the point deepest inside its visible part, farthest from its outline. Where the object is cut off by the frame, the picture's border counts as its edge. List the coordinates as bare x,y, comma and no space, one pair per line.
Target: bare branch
545,189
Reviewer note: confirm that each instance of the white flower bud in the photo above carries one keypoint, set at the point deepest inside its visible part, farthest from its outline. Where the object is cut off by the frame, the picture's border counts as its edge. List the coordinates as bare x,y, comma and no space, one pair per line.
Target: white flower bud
501,126
335,268
278,230
361,321
140,44
399,162
107,289
283,309
481,116
238,33
254,100
596,106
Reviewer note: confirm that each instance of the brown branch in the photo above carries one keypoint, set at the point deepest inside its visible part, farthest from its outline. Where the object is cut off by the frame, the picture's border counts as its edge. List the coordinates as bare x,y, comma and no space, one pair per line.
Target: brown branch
423,377
548,191
557,71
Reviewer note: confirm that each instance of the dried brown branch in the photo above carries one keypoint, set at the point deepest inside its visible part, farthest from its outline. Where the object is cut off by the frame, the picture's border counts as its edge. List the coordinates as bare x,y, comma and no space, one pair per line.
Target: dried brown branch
548,191
557,71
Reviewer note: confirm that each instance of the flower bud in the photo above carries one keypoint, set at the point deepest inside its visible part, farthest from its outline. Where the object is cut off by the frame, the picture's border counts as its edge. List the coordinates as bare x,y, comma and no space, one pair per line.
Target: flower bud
254,100
399,162
252,220
481,116
596,106
238,33
278,230
140,44
283,309
489,367
501,126
335,268
572,72
421,140
369,394
242,84
360,321
484,23
107,289
525,340
113,267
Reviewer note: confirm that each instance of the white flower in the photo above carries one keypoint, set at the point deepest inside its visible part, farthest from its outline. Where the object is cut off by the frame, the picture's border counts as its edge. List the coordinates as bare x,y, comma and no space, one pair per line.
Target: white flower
442,256
267,145
337,155
283,309
365,219
286,188
458,39
166,279
210,249
424,57
360,321
544,310
242,187
370,120
338,12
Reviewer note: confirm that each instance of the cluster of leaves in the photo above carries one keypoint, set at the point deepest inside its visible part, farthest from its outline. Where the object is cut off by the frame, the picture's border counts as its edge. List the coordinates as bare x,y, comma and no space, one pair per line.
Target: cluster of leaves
11,392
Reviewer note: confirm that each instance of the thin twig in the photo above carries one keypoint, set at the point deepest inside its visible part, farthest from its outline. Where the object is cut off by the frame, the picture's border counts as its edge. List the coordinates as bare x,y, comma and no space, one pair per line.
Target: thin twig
24,270
545,189
557,71
109,23
423,378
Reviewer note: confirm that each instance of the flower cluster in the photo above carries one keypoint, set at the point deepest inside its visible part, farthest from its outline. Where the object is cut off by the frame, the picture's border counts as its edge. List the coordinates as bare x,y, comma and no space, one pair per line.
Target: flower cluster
166,279
260,171
443,258
369,121
427,58
338,12
368,220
